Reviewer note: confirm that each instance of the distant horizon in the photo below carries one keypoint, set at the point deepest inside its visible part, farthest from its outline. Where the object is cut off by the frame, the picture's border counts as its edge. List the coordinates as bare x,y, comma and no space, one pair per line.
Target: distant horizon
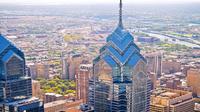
96,2
126,4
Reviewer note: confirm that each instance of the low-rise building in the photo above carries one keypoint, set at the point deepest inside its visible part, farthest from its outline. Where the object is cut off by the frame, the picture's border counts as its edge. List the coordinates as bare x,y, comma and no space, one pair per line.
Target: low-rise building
51,97
168,100
63,106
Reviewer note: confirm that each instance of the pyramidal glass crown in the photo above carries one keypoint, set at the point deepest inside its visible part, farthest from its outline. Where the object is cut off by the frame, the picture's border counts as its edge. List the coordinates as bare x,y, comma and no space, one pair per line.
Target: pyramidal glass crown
120,49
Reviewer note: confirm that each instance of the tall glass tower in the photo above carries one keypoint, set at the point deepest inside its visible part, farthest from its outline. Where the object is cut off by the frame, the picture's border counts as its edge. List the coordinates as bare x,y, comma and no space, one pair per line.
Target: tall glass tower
119,82
15,86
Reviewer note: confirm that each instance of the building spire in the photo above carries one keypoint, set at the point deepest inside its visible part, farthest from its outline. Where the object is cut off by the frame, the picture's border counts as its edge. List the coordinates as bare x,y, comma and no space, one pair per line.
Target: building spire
120,14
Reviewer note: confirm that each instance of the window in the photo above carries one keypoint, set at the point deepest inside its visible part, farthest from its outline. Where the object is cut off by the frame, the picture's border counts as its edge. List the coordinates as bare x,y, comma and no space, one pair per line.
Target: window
15,66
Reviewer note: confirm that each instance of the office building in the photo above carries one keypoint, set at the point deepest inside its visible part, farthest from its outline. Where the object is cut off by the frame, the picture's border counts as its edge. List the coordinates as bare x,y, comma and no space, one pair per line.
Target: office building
36,89
65,68
15,86
82,79
50,97
154,63
26,105
193,80
169,100
39,70
63,106
71,66
119,82
154,66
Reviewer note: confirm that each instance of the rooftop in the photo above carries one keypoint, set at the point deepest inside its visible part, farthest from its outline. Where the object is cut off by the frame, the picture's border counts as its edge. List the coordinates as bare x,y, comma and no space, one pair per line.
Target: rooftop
169,94
55,103
164,96
4,43
53,94
164,92
64,105
25,101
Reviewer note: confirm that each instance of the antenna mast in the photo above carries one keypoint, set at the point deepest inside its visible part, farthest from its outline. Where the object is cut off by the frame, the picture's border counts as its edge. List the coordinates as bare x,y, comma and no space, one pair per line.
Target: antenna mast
120,14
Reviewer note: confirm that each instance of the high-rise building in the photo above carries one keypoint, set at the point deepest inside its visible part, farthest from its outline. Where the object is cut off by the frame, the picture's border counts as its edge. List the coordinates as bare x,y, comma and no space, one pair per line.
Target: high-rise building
72,66
154,63
82,79
16,87
36,89
169,100
193,80
154,66
39,70
119,82
65,68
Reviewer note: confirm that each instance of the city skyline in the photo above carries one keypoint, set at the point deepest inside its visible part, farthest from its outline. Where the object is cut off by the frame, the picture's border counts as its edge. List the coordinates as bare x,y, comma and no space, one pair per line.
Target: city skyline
70,2
100,56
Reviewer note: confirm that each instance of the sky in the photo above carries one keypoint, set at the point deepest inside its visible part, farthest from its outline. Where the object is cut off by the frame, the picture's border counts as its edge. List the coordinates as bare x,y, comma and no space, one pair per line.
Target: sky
69,2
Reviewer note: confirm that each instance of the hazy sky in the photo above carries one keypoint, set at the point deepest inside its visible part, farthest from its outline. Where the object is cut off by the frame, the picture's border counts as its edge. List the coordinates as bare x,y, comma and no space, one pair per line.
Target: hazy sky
65,2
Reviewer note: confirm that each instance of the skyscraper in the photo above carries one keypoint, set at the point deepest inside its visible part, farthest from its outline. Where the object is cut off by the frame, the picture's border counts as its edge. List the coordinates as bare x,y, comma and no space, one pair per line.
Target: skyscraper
82,81
15,86
119,82
193,79
154,63
65,68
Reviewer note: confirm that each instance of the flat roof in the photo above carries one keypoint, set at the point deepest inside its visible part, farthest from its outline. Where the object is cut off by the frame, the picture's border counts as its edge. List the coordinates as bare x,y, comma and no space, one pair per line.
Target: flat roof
24,101
55,103
170,94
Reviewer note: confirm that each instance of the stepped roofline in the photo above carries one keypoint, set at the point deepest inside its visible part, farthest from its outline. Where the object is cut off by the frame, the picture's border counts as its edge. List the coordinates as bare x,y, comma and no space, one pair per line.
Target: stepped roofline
5,43
120,49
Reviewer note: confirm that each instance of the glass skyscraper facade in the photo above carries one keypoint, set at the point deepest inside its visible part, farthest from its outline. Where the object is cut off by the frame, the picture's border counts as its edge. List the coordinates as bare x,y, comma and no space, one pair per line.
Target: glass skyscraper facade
119,82
15,86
